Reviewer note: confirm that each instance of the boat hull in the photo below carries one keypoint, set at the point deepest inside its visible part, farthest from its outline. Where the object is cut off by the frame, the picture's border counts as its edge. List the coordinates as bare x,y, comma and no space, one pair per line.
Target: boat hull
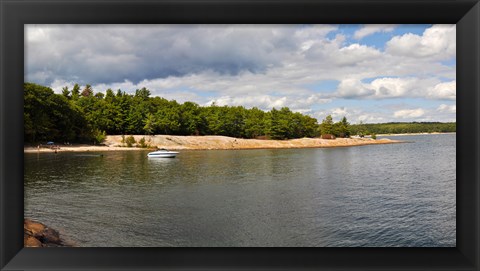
163,154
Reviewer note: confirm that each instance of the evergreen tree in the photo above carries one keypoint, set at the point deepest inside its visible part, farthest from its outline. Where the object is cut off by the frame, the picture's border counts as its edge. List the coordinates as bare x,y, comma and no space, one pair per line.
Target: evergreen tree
327,126
75,92
66,92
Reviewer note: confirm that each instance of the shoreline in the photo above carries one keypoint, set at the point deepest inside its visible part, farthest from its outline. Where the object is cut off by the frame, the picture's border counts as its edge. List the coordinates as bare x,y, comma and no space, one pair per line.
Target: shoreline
414,134
114,143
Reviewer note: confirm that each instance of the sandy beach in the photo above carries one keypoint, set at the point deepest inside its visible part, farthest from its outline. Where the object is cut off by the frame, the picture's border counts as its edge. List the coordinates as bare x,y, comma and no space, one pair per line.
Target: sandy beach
114,143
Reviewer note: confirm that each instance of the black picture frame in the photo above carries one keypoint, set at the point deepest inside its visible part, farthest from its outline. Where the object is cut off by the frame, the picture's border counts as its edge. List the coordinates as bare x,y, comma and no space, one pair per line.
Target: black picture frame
14,14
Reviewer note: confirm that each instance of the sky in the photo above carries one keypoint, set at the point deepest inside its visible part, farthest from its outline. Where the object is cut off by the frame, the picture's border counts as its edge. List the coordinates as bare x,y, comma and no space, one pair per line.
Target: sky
368,73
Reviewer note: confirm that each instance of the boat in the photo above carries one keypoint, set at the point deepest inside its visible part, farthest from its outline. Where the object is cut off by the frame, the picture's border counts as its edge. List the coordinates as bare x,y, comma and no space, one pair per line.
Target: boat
162,153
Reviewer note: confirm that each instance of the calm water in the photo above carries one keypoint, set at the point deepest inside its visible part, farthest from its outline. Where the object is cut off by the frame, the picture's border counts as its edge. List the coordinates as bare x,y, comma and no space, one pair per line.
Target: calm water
384,195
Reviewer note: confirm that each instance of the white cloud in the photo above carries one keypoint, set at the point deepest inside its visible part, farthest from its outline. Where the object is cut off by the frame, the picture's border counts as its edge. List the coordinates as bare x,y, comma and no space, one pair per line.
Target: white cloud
264,66
349,88
355,54
447,108
388,87
353,115
394,87
370,29
263,102
446,90
267,102
409,113
438,42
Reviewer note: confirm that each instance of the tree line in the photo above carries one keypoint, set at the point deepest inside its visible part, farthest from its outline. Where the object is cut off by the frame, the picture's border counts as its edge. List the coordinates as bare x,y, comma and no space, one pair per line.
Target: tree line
403,128
80,115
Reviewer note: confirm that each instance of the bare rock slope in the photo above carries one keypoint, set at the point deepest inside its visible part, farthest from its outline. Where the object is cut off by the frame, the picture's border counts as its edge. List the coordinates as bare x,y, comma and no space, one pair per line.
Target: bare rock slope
223,142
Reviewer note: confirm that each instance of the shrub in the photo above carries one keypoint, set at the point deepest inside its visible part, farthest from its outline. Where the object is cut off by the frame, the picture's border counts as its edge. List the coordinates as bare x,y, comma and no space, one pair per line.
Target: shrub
142,143
130,141
99,136
374,136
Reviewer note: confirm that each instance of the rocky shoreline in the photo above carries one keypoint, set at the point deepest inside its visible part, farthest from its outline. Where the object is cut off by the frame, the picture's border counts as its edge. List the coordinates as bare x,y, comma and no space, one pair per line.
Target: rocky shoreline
115,143
36,234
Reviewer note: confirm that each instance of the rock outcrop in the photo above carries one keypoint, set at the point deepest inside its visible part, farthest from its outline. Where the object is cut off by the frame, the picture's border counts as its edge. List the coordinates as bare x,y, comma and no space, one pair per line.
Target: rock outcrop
36,234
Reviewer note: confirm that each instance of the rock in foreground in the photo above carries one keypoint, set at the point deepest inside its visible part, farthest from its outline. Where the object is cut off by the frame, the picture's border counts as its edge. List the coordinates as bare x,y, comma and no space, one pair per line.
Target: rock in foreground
36,234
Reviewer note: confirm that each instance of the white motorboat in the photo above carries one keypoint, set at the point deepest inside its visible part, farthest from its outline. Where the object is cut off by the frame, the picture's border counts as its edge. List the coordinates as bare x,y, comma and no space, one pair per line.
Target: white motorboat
162,153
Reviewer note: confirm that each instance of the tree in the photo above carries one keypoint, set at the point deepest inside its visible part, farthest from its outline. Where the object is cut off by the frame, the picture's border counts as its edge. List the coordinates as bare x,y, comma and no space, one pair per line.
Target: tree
343,128
66,92
279,123
142,93
99,95
150,124
254,123
109,96
75,92
168,119
86,116
361,129
191,120
327,126
87,91
50,116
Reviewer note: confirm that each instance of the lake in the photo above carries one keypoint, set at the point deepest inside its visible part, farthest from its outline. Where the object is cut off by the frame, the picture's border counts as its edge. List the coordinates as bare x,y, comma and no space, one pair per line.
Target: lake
394,195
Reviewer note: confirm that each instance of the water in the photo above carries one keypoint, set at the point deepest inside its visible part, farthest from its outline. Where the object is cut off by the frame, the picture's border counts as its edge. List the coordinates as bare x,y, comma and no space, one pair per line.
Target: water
400,195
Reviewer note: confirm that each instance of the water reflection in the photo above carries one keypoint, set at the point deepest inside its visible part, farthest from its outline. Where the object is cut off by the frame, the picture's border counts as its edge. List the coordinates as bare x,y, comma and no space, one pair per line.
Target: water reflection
386,195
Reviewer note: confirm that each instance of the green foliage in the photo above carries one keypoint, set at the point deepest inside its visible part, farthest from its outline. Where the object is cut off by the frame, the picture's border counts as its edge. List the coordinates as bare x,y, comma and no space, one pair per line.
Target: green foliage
143,144
99,136
49,116
403,127
327,126
344,128
76,116
75,92
66,92
338,129
130,140
374,136
150,124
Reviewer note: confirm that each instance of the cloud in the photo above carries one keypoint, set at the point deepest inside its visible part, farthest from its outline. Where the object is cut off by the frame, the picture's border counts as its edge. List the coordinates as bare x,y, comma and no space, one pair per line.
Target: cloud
409,113
388,88
355,54
446,91
382,114
106,54
267,102
353,115
447,108
370,29
263,66
353,88
438,42
263,102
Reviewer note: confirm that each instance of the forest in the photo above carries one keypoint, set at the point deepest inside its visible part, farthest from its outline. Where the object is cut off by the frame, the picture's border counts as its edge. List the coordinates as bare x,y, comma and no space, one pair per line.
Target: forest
403,128
82,116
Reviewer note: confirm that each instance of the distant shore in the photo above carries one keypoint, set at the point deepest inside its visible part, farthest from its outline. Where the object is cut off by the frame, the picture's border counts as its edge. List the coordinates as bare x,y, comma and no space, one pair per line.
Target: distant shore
114,143
412,134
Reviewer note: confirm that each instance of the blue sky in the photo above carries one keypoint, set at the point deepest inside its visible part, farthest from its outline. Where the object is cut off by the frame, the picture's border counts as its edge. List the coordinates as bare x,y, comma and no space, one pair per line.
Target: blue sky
369,73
